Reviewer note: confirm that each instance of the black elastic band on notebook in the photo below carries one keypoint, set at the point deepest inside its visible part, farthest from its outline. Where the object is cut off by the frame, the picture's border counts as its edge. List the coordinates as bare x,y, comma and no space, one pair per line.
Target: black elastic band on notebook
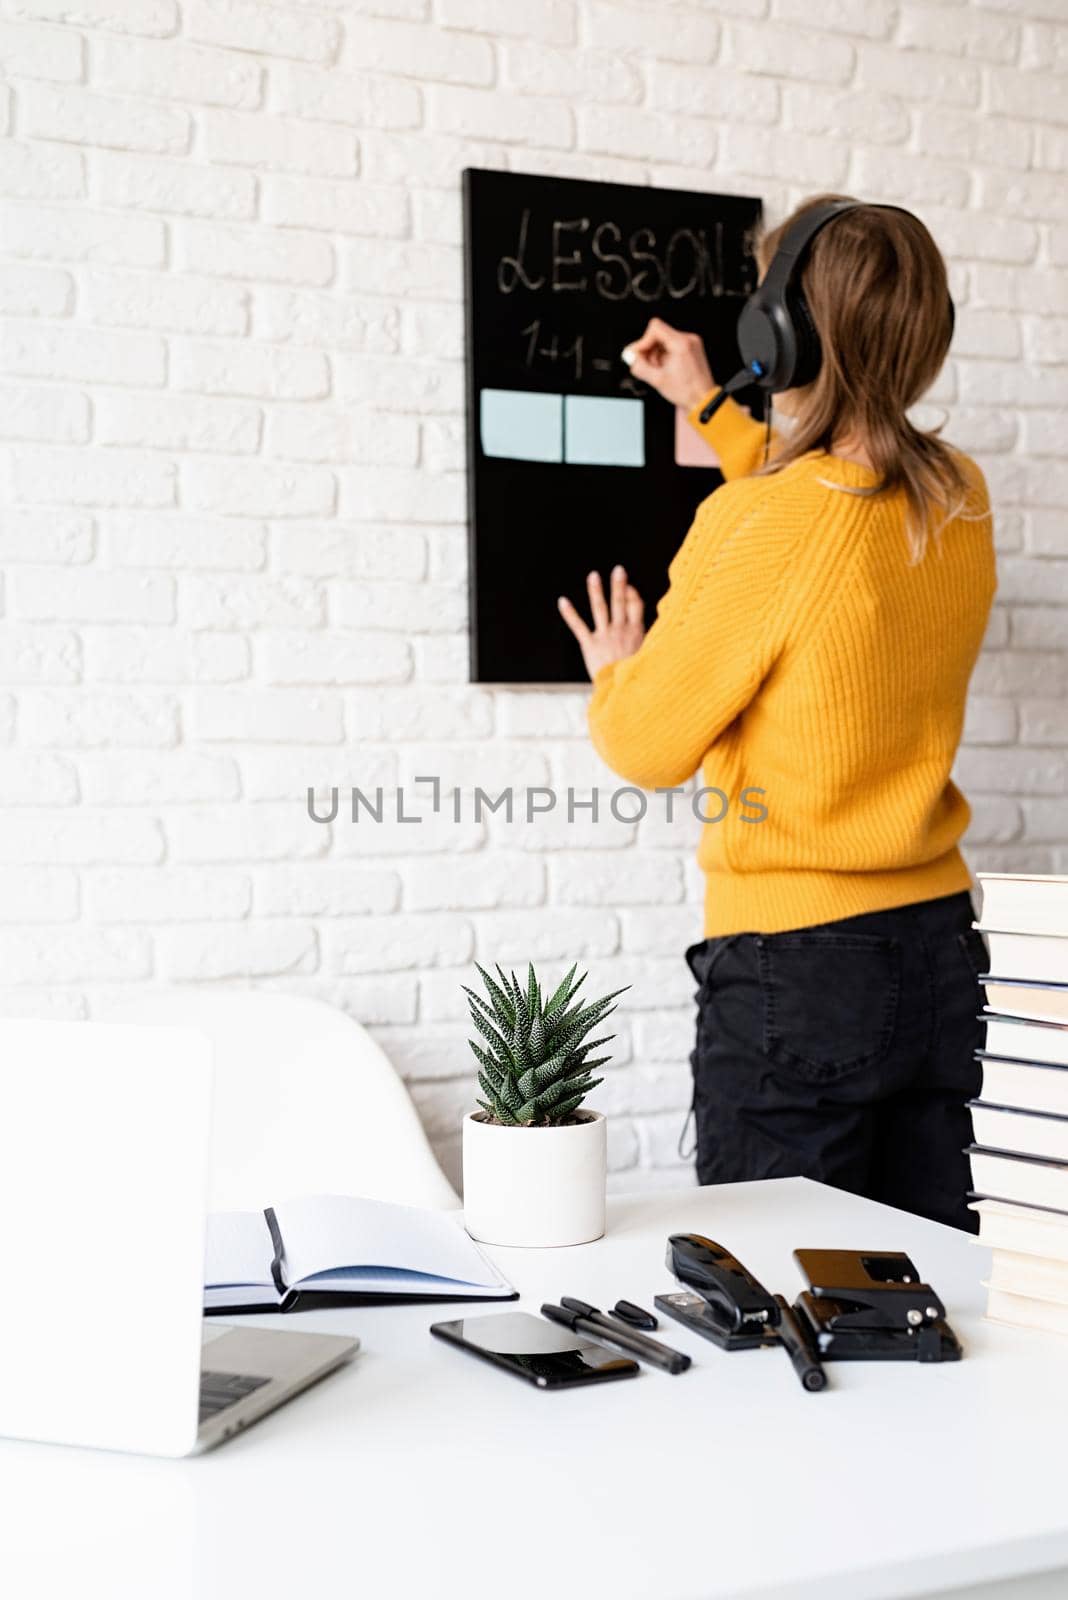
279,1251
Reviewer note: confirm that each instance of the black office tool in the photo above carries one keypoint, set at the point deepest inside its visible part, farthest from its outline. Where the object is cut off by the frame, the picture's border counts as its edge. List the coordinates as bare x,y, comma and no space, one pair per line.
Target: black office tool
529,1348
871,1306
634,1316
793,1339
725,1303
583,1318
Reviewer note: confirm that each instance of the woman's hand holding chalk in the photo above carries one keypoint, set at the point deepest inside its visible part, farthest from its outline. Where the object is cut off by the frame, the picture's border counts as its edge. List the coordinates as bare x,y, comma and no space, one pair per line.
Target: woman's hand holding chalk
671,362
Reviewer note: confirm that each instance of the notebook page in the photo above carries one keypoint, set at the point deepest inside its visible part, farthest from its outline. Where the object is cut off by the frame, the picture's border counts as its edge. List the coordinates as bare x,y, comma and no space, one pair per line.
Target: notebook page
240,1297
325,1233
238,1250
395,1282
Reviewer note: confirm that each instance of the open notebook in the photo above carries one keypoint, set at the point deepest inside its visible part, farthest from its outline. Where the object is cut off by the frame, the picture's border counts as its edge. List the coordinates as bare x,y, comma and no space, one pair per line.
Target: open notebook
329,1250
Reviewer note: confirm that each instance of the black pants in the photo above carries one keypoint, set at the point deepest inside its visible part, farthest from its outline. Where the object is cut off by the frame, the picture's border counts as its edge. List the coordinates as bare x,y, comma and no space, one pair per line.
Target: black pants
844,1053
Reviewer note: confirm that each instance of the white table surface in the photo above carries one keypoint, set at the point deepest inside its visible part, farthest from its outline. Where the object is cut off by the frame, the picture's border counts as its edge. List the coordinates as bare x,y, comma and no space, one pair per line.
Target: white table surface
420,1471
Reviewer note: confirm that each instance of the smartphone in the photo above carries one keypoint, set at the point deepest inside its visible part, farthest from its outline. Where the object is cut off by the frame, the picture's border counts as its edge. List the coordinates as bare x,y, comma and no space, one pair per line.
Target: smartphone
548,1356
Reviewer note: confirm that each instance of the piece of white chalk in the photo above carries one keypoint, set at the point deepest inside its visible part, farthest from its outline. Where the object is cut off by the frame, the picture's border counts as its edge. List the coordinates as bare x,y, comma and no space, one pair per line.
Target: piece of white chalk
628,354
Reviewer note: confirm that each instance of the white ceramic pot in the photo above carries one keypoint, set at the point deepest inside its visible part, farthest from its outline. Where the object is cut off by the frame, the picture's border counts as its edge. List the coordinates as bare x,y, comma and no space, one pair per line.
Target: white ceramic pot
535,1186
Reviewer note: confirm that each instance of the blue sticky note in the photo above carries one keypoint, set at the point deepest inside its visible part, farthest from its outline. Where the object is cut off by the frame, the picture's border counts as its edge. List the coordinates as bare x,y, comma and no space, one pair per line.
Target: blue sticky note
603,433
521,425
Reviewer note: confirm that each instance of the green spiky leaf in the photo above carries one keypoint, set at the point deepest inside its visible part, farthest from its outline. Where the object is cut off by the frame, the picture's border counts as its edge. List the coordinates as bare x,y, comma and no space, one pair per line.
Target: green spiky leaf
564,1110
496,1071
501,1003
533,1081
592,1044
508,1096
563,988
562,996
492,1036
579,1084
489,1088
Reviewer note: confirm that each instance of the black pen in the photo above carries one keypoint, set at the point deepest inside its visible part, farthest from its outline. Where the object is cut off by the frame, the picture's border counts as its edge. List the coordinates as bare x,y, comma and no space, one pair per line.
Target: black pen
583,1318
805,1363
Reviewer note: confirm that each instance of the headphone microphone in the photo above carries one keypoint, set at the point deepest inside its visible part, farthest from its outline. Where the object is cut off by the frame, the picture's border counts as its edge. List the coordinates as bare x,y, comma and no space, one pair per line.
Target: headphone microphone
777,338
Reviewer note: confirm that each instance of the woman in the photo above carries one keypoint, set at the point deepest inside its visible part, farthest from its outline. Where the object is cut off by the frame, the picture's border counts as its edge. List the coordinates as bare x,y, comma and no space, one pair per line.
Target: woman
816,641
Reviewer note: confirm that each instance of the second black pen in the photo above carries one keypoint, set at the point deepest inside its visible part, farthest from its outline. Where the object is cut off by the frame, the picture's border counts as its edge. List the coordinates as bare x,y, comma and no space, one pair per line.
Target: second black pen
583,1318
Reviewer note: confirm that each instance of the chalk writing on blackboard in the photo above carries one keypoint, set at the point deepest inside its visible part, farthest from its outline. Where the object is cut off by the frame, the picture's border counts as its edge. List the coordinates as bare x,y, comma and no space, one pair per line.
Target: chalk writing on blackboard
574,255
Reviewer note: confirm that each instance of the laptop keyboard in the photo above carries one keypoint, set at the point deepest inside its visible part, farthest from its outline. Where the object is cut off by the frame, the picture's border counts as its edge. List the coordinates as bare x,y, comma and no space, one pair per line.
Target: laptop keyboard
221,1389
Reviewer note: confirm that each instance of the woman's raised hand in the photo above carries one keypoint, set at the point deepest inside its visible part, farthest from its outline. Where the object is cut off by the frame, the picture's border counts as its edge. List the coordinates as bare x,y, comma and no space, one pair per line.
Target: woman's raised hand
618,629
671,362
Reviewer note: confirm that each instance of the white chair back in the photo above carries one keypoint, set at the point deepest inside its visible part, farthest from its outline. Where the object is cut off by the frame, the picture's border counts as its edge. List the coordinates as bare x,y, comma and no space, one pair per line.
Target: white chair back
305,1102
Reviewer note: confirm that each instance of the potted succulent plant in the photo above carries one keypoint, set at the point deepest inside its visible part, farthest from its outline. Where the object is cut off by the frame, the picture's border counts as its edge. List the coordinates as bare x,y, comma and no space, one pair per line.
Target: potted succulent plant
534,1160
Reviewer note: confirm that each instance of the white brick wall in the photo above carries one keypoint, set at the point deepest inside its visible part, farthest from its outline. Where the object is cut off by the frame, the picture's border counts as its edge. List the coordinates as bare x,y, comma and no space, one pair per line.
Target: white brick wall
233,553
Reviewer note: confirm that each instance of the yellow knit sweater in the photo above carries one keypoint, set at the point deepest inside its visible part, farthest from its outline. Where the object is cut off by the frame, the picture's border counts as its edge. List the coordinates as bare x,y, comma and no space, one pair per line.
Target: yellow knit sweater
801,652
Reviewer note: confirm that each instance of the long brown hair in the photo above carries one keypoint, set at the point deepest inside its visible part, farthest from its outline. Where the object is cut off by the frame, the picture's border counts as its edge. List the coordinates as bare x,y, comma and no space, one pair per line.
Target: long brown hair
876,286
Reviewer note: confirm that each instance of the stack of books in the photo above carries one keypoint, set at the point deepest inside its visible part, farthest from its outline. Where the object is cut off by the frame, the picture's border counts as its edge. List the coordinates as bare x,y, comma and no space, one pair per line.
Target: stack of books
1020,1155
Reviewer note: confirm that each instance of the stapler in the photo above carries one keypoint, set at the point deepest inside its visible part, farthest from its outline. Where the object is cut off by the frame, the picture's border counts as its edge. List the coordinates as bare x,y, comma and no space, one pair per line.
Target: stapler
871,1306
722,1300
730,1307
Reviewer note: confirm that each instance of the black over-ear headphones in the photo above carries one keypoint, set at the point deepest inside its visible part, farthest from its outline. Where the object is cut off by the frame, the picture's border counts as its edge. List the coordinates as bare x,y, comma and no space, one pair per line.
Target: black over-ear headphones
777,337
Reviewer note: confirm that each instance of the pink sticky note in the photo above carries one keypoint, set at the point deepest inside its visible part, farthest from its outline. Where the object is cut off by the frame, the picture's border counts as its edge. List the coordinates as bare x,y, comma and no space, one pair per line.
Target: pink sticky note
690,449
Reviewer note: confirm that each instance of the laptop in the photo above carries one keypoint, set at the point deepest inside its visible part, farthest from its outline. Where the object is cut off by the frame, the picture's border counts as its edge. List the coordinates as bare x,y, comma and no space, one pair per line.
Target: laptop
104,1132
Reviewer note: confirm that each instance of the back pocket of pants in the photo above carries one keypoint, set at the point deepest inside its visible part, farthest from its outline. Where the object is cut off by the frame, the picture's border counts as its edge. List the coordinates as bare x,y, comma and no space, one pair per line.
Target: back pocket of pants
830,1001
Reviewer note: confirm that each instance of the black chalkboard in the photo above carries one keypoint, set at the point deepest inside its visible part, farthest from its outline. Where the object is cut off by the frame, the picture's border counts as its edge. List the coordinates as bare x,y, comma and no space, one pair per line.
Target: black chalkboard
560,275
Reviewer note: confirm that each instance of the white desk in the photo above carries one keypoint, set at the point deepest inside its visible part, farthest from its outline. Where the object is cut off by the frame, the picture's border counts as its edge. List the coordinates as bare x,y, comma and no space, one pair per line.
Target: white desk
419,1471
